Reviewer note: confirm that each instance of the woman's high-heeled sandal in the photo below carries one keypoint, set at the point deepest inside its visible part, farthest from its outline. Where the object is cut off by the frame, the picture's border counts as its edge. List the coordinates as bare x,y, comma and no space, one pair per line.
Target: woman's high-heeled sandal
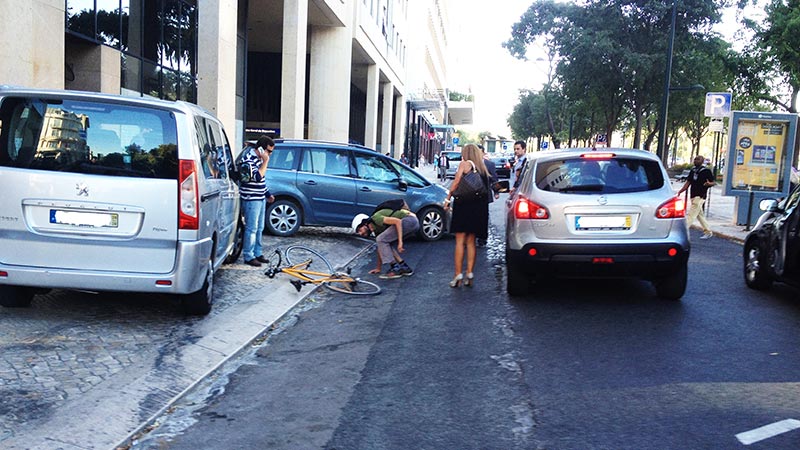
468,282
457,280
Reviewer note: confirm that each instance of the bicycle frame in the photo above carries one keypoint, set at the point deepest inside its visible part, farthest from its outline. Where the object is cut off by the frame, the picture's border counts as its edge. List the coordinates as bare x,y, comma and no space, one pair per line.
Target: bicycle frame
305,276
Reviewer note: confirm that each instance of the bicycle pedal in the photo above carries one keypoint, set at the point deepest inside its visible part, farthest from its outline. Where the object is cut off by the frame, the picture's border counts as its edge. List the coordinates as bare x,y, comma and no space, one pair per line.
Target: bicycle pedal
297,284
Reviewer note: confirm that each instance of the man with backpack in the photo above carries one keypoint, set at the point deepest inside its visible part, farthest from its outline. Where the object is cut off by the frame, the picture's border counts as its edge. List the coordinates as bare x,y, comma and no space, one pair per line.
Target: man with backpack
700,180
389,223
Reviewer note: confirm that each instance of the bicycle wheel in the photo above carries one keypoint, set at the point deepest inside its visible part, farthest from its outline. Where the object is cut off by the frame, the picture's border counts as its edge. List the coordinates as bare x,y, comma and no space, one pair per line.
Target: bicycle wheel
297,254
273,260
352,286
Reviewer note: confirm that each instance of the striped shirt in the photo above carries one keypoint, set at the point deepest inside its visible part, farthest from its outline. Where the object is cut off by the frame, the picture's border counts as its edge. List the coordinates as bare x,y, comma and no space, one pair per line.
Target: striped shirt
253,186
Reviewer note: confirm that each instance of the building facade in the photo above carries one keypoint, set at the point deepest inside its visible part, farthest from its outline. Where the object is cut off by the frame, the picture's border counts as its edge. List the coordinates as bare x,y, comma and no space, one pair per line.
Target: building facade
320,69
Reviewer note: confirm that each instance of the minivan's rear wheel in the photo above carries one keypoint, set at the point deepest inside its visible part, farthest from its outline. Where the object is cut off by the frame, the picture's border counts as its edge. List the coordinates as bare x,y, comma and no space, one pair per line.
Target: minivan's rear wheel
16,296
431,223
672,287
756,268
517,282
199,303
283,218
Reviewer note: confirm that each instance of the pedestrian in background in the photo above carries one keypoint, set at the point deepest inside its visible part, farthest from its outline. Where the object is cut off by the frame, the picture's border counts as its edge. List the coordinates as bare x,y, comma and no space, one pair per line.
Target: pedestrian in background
470,218
254,195
444,164
519,164
493,195
698,182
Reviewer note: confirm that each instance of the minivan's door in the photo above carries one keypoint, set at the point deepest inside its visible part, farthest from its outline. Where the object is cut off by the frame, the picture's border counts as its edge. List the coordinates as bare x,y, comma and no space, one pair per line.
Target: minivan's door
376,181
81,191
325,178
215,152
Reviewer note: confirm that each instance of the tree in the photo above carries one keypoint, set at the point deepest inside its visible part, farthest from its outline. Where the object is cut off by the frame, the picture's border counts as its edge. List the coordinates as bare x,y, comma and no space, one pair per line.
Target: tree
775,54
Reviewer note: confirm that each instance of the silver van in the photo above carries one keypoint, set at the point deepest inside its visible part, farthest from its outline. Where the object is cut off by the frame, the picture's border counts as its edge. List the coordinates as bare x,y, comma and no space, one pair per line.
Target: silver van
111,193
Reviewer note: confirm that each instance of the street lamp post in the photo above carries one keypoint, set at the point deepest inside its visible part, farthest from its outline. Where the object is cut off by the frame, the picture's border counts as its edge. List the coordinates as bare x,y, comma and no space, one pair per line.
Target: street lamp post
662,116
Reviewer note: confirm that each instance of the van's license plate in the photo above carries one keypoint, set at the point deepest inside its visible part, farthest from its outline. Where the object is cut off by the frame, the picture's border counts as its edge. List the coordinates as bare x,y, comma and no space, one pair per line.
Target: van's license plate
595,223
84,219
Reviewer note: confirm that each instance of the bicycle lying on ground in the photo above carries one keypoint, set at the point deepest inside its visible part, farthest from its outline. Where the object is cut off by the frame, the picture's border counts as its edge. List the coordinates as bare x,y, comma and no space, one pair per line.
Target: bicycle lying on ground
300,261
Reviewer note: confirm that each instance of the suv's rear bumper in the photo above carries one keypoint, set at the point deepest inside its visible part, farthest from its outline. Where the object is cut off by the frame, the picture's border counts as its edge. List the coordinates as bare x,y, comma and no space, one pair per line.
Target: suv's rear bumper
191,258
648,261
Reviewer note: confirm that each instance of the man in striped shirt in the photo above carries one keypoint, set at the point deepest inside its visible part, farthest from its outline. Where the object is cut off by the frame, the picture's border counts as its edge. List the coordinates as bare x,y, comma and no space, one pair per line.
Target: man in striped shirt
254,194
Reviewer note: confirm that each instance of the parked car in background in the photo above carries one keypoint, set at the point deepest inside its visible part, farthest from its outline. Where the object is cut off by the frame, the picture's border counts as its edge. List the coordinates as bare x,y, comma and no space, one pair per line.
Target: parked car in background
502,166
581,213
112,193
772,248
453,158
326,184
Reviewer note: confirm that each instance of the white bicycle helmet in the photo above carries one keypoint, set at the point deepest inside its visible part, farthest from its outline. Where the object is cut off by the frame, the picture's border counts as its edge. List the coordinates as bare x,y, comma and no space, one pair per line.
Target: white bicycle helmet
358,220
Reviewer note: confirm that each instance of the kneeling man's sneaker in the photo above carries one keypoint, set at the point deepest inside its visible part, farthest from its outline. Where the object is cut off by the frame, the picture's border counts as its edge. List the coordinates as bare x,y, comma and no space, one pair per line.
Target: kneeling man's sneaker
394,272
707,235
404,270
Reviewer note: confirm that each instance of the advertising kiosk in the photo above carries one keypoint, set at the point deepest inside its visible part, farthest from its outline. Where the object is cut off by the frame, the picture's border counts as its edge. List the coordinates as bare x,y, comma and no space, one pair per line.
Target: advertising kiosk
759,162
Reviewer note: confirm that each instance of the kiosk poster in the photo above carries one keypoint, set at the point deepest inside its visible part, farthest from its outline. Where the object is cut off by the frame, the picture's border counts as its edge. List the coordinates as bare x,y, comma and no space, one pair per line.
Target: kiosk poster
759,150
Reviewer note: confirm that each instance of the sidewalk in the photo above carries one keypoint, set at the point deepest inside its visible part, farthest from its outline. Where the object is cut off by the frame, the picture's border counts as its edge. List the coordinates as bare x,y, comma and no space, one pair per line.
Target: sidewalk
720,209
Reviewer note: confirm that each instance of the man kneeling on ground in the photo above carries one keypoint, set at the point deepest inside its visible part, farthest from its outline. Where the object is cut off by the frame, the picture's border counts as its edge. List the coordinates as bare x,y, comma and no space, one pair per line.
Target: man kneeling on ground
389,226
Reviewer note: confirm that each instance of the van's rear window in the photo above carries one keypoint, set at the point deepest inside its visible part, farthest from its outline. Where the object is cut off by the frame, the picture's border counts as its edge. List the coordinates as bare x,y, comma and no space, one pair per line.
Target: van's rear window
88,137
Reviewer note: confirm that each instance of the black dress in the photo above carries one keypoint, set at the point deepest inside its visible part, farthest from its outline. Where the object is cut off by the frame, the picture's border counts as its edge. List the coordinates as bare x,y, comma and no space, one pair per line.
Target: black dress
471,216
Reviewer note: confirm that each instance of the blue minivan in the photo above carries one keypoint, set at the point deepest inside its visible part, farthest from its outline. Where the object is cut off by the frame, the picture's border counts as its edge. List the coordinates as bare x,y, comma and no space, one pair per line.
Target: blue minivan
319,183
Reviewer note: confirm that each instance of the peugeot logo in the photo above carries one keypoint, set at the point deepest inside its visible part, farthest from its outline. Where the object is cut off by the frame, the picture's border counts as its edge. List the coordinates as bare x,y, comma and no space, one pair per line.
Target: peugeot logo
602,200
82,189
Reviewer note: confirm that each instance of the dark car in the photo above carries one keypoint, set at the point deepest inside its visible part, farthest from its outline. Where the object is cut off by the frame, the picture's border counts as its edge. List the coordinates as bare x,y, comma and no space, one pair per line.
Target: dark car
502,166
772,248
319,183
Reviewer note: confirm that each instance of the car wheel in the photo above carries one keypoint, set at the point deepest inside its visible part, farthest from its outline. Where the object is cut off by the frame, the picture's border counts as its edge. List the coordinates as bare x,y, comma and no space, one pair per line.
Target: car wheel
16,296
283,218
431,223
199,303
756,268
516,282
672,287
238,244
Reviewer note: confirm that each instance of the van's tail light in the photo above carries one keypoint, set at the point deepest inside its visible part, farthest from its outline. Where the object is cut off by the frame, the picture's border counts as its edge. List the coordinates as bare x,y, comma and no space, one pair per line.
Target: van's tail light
526,209
672,209
187,182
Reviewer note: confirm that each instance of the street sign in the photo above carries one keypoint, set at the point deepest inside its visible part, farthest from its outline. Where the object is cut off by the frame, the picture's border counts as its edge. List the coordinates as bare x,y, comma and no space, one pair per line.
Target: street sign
544,144
455,141
716,125
718,104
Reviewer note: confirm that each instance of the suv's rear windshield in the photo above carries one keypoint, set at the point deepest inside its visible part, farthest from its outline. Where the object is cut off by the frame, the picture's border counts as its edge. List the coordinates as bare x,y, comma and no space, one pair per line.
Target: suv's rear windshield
88,137
612,175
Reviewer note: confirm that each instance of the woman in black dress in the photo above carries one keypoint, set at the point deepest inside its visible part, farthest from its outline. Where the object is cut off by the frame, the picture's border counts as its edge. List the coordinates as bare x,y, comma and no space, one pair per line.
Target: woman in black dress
470,217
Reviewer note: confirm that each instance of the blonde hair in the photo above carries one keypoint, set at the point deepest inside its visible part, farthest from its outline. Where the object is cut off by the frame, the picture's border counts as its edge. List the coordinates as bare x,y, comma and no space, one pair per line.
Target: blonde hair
471,152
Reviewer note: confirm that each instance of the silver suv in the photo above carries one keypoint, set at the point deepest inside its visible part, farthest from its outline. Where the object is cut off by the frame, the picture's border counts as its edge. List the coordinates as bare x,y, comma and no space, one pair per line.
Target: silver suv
584,213
112,193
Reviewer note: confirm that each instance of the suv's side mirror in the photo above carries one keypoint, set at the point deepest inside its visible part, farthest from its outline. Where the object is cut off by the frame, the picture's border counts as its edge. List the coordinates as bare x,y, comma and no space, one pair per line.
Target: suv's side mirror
402,184
768,204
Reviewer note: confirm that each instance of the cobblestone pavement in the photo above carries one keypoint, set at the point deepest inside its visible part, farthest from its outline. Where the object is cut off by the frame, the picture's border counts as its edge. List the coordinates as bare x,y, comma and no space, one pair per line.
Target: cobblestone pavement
82,370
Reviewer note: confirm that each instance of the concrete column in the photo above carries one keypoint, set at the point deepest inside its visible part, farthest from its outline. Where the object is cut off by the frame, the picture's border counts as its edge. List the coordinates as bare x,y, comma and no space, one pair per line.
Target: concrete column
216,64
386,122
293,77
32,53
371,128
399,126
329,85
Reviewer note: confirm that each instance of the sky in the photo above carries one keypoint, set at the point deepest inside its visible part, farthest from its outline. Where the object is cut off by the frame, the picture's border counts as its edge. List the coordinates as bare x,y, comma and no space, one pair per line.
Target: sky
488,70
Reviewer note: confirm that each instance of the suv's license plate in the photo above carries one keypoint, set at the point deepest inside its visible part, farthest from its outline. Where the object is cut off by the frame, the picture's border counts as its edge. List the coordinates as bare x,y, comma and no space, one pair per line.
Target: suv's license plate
585,223
84,219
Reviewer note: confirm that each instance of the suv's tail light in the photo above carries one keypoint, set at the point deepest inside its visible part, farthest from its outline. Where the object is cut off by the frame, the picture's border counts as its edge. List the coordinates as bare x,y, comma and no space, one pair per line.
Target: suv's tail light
187,197
526,209
672,209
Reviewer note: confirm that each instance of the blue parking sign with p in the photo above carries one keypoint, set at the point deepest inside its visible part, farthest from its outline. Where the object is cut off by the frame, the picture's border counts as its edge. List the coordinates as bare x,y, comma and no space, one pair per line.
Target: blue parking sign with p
718,104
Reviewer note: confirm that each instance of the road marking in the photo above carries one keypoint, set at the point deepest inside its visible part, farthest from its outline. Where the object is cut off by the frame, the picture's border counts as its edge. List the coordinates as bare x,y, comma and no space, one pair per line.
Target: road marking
768,431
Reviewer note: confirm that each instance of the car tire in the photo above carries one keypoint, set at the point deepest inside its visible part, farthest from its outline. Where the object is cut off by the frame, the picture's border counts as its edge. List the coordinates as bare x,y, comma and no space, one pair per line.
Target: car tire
238,244
283,218
16,296
431,223
517,282
672,287
756,267
199,303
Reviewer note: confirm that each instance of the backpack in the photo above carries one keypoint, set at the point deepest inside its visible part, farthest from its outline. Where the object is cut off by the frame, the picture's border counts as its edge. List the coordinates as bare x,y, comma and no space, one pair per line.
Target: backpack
394,204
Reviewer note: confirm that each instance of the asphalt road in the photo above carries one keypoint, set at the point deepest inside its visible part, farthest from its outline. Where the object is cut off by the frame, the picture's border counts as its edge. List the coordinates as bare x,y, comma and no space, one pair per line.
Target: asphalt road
576,365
